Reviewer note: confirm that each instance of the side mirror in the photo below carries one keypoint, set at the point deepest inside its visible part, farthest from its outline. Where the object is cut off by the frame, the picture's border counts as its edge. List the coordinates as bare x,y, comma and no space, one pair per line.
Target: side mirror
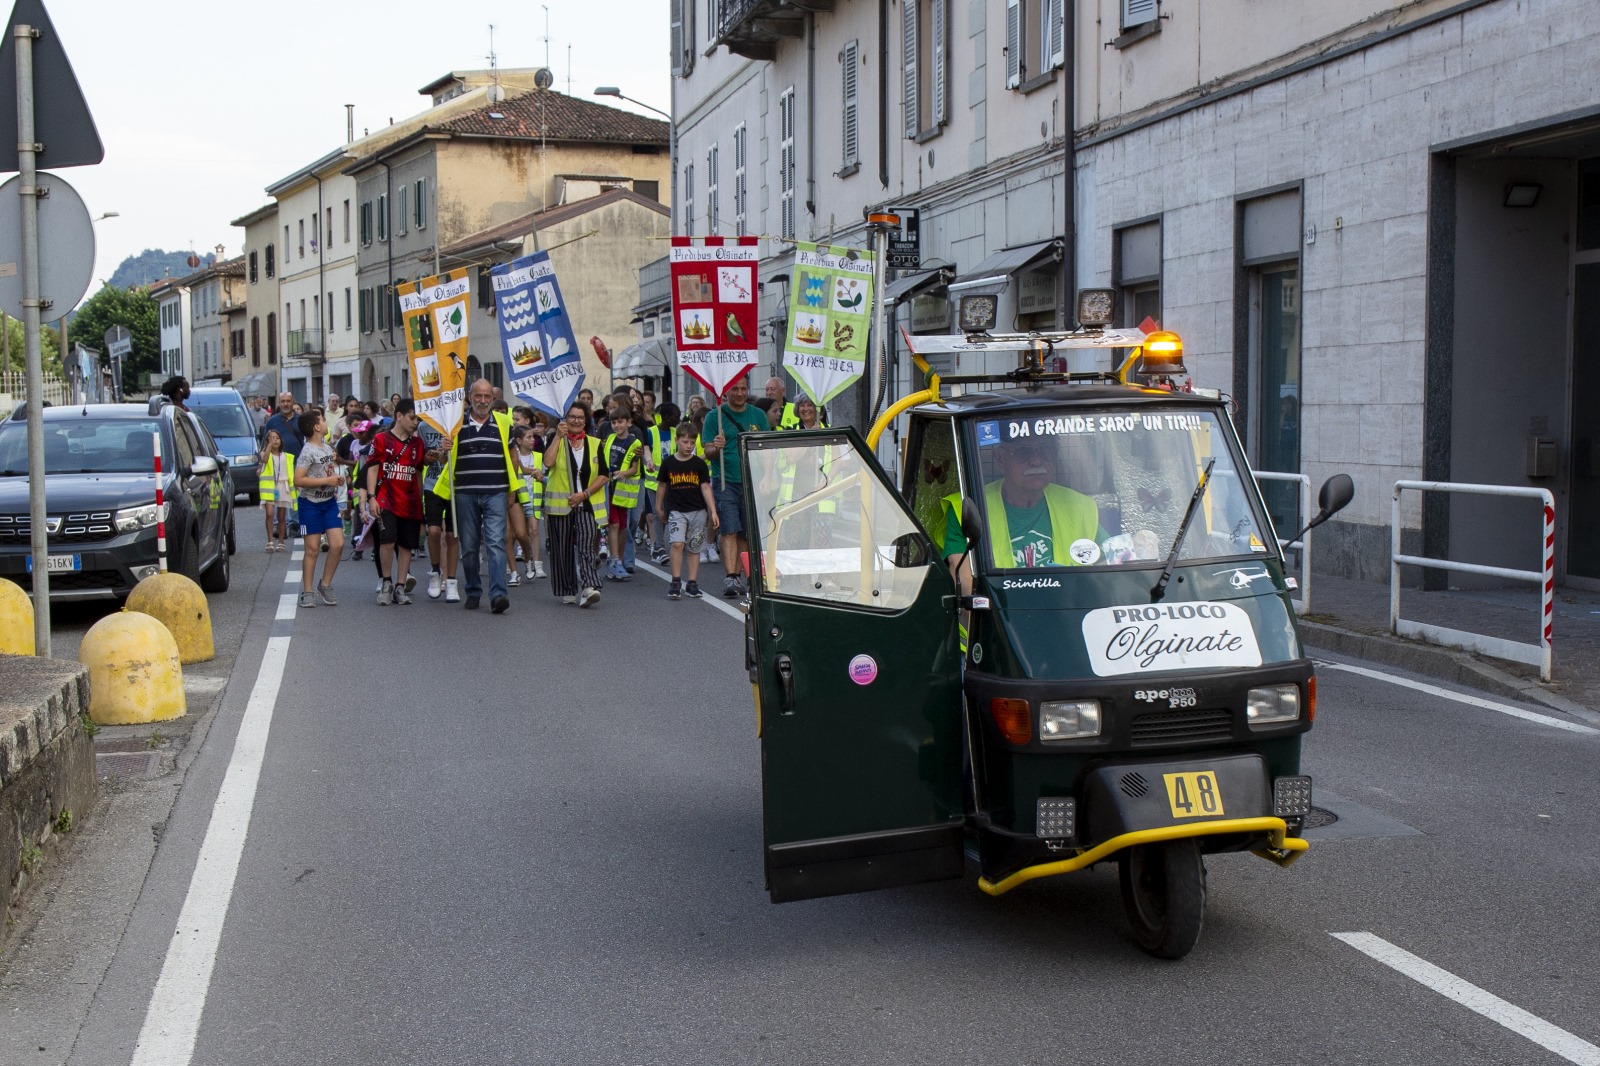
971,522
1335,496
204,464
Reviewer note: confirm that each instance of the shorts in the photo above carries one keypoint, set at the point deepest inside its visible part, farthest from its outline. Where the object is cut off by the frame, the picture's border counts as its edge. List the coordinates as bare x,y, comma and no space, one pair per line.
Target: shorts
435,511
729,499
619,515
687,528
319,516
401,532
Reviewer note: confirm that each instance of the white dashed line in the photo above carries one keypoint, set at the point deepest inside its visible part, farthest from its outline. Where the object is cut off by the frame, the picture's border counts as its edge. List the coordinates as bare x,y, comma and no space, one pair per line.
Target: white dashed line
1550,1037
727,609
1461,697
286,606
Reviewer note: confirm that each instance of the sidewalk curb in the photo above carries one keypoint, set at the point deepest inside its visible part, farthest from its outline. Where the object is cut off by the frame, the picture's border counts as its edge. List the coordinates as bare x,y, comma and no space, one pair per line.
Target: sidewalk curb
1442,663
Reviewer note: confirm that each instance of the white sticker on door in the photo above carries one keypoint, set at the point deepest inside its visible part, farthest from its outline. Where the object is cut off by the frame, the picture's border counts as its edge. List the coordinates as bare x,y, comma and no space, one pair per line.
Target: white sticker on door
1169,636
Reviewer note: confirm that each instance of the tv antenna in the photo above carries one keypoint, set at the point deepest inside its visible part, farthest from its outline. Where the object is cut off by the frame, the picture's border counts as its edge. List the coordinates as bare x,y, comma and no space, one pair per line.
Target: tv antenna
494,63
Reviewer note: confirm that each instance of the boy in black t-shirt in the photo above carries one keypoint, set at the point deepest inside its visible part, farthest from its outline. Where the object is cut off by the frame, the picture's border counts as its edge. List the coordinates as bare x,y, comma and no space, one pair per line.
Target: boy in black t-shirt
684,496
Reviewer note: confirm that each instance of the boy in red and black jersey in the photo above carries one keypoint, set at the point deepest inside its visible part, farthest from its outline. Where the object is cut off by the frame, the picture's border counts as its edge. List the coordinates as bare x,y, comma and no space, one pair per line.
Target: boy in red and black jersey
394,495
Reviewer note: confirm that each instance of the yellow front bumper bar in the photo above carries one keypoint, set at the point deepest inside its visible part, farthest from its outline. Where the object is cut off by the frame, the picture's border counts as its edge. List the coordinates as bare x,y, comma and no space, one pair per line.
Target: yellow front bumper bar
1281,848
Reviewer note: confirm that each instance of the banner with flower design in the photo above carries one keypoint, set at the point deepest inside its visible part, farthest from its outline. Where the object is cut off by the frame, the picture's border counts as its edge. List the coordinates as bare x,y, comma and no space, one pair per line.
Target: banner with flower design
830,310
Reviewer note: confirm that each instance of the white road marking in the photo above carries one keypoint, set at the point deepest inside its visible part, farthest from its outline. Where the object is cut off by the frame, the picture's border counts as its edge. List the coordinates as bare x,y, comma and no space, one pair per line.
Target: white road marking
286,606
172,1020
297,555
1550,1037
1461,697
293,575
727,609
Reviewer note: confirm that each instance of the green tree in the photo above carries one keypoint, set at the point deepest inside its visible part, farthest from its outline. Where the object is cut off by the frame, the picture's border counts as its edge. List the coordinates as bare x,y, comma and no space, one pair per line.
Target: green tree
133,308
49,346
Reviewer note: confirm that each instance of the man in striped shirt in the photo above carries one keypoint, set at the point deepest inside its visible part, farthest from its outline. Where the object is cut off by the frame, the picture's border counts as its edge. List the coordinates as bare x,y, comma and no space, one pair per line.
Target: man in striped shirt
482,466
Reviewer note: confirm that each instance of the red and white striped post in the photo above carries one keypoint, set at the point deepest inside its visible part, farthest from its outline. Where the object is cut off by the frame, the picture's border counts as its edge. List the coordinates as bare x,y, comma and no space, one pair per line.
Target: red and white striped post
1548,590
161,511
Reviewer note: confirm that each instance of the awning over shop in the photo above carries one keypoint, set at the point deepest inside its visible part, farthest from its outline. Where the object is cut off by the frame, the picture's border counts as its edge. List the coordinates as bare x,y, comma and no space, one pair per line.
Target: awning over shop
912,284
642,358
261,383
996,271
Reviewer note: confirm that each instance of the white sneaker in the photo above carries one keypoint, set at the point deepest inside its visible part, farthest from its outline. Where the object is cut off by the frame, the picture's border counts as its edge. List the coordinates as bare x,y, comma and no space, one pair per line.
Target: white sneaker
451,595
569,599
538,569
435,585
513,579
589,596
528,573
380,585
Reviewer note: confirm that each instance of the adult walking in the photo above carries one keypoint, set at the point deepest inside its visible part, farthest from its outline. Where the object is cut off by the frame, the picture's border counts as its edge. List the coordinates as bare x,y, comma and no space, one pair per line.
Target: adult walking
287,425
575,507
720,436
482,472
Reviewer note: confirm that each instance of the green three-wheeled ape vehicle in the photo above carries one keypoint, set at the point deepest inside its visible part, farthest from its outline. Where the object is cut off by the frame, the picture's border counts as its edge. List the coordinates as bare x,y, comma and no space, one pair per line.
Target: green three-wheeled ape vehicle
1065,638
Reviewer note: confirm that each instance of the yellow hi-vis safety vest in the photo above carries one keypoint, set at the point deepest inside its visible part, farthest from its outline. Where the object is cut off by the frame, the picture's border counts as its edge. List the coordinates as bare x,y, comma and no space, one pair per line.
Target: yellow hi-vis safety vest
789,420
268,483
1073,516
534,486
445,485
559,481
661,446
624,490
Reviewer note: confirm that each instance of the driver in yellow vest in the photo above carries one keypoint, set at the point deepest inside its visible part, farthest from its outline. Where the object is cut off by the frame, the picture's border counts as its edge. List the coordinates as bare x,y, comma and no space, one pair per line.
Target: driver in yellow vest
1032,521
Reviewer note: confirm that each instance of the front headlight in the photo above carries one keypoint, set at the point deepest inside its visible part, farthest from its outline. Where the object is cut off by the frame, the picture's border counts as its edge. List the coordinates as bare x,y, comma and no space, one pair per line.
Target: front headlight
134,519
1069,719
1277,703
242,460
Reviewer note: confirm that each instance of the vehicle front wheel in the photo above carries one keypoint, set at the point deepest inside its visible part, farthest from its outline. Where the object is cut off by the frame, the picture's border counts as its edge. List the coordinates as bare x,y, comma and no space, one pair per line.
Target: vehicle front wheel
1164,896
233,539
184,556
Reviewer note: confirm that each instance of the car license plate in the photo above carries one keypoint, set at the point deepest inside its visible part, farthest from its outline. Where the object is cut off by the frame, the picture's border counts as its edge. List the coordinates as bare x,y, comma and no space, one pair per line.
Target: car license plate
59,563
1194,795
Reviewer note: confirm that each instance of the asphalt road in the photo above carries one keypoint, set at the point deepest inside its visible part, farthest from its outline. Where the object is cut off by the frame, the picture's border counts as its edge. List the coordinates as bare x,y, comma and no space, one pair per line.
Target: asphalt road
536,838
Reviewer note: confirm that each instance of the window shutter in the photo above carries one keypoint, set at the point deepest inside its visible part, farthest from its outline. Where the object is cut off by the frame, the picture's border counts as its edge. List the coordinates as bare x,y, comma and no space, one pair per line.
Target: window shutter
851,60
688,200
1138,12
405,198
1014,43
422,215
786,160
1058,26
739,203
711,190
677,37
938,33
908,25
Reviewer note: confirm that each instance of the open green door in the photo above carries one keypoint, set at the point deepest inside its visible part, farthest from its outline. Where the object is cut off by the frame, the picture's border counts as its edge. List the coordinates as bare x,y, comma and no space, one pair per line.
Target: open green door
851,641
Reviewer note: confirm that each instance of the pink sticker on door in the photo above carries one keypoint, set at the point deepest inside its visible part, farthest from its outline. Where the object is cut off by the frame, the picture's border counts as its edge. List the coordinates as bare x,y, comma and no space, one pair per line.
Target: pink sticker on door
863,669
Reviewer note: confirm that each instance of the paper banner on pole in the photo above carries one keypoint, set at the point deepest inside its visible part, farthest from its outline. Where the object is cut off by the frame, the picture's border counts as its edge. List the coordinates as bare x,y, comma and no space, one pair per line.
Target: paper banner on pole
543,365
436,312
830,310
714,310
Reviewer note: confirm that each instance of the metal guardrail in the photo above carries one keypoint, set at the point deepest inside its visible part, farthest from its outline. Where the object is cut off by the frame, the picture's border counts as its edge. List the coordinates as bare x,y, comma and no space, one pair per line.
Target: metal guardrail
1515,651
1303,604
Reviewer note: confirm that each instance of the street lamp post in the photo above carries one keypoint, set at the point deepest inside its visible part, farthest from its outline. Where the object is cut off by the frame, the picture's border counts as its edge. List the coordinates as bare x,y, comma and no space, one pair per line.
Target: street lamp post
612,90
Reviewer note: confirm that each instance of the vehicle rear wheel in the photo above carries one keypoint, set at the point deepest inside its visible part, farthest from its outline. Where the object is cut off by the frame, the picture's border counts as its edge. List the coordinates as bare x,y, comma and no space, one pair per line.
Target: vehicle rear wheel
1164,896
218,574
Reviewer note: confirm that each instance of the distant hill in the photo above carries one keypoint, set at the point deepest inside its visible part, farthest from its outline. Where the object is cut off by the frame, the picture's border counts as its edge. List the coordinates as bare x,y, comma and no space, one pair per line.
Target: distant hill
152,264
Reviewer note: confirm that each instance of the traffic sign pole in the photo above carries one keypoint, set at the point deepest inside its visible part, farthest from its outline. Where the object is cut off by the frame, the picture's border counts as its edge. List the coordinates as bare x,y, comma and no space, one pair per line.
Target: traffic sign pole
27,168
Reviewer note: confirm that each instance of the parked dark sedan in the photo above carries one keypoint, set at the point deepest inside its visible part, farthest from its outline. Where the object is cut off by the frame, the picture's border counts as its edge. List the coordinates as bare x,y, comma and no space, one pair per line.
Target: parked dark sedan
100,500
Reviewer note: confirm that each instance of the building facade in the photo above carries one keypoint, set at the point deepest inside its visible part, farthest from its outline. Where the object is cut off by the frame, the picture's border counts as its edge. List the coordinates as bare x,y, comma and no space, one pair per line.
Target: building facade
214,292
1333,210
173,312
256,368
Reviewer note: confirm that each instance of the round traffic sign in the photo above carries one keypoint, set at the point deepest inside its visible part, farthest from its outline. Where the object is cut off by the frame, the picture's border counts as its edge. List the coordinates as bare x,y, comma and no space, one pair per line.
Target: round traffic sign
66,247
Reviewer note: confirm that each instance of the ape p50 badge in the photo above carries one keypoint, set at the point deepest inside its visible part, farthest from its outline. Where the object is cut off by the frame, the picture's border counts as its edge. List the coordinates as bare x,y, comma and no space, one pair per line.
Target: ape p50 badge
1169,636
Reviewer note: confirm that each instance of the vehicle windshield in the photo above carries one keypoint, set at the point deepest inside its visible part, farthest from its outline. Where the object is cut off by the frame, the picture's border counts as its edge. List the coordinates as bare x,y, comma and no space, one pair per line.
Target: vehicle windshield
224,419
1079,487
82,446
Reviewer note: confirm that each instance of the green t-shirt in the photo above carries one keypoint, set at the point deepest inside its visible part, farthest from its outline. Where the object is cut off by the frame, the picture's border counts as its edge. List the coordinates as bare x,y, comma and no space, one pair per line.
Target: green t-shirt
1032,536
730,424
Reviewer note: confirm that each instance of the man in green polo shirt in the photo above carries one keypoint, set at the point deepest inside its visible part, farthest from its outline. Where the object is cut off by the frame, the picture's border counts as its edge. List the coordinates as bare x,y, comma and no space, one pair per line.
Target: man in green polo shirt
1032,521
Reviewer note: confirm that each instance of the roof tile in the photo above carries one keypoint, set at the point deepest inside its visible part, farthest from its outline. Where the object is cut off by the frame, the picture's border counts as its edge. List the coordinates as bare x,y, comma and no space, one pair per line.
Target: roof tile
558,117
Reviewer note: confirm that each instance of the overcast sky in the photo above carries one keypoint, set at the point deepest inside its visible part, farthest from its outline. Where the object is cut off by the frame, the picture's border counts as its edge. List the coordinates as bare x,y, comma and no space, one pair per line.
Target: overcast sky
201,104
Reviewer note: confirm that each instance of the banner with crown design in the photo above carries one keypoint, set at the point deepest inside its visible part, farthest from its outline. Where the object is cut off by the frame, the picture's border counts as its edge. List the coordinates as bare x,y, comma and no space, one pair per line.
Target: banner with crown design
830,310
543,365
436,311
714,308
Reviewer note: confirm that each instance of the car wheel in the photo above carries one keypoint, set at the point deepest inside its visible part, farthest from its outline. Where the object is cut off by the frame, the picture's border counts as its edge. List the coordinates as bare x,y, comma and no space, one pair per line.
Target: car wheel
233,540
255,499
216,577
185,557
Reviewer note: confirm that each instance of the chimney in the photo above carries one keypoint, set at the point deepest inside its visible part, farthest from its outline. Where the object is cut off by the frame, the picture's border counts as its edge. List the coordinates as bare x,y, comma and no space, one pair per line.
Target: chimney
349,123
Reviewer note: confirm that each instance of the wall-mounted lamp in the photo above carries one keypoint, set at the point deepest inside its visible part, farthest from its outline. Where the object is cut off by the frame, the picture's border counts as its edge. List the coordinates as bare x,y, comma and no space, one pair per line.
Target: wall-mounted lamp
1522,194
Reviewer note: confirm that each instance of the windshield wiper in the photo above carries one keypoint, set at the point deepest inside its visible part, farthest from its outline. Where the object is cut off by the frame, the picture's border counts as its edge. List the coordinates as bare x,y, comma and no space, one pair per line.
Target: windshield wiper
1183,529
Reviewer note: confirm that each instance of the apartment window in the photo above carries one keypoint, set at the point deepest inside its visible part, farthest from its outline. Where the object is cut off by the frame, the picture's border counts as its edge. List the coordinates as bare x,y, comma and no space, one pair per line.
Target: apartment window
383,217
1139,12
1035,41
419,214
303,235
397,315
329,306
786,162
711,191
286,240
272,265
255,341
272,338
400,227
740,198
850,67
688,200
366,222
1136,270
327,231
925,48
683,38
347,309
366,310
346,222
253,275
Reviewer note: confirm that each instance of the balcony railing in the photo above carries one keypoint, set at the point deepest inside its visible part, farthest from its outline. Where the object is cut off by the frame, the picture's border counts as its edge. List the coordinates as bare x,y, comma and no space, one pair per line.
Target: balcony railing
753,28
305,344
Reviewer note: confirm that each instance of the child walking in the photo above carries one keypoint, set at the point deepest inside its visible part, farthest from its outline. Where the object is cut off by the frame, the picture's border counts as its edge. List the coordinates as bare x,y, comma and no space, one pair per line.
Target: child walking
316,478
684,496
530,460
276,487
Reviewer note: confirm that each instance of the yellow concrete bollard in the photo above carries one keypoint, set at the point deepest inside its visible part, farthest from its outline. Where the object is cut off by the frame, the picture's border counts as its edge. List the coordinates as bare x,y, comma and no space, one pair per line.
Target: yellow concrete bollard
16,620
177,603
134,672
